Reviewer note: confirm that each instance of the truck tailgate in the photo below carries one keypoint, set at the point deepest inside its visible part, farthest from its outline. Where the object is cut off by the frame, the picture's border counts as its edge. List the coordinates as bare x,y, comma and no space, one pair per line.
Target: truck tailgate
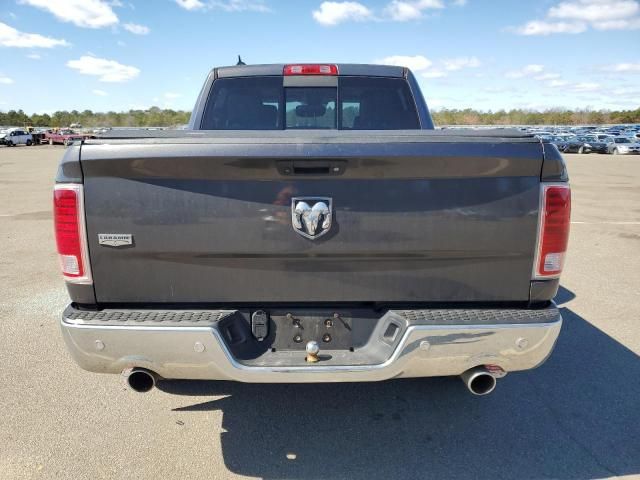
416,218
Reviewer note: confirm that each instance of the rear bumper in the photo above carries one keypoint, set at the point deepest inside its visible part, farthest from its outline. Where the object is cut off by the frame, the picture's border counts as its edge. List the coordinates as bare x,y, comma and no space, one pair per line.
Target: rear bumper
190,345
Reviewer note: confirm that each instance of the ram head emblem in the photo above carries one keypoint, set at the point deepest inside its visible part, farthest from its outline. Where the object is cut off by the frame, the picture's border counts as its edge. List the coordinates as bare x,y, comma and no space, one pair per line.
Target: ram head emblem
311,216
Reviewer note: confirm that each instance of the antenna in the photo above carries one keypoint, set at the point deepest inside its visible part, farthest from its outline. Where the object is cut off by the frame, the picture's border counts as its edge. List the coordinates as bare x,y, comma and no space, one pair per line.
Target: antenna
240,62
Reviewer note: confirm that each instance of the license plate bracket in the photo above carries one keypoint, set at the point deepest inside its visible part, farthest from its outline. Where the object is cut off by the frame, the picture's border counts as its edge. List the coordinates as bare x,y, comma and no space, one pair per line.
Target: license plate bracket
332,330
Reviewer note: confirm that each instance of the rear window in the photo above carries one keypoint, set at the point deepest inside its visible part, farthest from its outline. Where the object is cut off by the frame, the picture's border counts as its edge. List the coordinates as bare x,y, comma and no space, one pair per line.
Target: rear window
251,103
262,103
368,103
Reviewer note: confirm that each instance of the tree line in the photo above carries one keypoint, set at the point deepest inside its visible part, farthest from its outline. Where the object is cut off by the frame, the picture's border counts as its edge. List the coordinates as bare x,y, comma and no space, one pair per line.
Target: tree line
153,117
157,117
556,116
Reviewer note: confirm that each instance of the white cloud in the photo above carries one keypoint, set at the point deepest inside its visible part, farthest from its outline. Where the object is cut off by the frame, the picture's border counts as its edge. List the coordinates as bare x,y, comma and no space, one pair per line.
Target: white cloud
415,63
547,28
10,37
459,63
538,72
239,5
226,5
402,11
172,95
557,83
426,68
100,93
34,56
585,87
625,24
333,13
546,76
459,3
136,29
526,71
5,80
106,70
625,68
625,91
575,16
581,87
594,10
190,4
82,13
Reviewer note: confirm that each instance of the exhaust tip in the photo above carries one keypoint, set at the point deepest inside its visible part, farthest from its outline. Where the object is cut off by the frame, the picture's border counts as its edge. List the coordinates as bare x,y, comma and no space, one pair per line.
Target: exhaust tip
479,381
140,380
482,384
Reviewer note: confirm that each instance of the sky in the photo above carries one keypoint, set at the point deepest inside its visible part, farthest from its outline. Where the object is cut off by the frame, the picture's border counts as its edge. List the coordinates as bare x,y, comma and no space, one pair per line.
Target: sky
105,55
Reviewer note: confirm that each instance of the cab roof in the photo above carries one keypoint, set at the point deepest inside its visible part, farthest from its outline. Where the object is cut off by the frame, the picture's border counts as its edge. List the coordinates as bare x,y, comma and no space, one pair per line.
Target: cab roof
347,69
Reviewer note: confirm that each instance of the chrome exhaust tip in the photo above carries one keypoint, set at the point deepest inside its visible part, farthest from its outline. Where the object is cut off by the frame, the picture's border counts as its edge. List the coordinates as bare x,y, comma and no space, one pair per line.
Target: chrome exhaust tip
479,381
140,380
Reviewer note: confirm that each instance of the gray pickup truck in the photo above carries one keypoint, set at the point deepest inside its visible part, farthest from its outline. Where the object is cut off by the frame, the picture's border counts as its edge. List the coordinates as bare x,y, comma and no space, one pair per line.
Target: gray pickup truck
311,226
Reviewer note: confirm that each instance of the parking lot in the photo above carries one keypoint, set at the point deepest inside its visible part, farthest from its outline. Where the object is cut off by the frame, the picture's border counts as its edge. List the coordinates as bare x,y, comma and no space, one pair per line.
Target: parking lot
576,417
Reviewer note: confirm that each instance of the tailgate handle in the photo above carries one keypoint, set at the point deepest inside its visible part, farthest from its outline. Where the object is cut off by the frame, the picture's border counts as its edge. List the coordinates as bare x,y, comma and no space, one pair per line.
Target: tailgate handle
312,167
315,169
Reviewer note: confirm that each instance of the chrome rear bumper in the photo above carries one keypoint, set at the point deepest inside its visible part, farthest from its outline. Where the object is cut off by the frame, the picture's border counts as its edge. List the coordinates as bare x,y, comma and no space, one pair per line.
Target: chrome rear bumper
189,345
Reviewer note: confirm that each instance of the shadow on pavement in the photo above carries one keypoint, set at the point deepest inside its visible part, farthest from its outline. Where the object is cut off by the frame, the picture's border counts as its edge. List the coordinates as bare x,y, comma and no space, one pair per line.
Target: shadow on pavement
575,417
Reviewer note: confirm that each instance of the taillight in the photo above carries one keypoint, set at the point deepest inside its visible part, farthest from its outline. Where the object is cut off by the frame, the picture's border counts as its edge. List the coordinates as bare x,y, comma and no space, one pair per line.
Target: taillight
307,69
71,237
553,230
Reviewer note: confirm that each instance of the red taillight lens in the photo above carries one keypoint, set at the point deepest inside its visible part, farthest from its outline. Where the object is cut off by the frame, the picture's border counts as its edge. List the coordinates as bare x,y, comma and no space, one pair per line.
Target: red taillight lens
554,230
307,69
68,217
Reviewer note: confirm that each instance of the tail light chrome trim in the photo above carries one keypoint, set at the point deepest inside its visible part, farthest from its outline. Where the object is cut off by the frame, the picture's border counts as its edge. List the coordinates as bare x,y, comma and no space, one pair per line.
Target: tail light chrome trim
84,276
540,271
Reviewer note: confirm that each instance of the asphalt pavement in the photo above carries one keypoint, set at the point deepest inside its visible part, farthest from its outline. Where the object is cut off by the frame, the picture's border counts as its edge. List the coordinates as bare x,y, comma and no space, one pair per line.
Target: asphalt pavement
575,417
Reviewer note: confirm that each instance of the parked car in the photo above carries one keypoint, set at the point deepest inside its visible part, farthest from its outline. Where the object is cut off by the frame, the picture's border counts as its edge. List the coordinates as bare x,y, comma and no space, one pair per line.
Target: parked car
65,136
286,238
597,145
16,136
541,134
558,140
37,134
600,136
623,146
631,135
579,144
